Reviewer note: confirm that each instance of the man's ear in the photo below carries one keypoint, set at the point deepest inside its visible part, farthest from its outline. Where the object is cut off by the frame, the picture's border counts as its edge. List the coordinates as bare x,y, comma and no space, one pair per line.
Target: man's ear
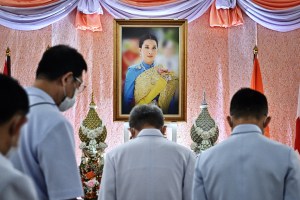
267,121
17,122
65,77
163,130
133,132
229,121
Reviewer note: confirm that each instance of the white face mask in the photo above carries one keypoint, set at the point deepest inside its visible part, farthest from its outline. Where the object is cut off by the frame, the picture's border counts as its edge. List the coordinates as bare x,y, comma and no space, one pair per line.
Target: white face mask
67,102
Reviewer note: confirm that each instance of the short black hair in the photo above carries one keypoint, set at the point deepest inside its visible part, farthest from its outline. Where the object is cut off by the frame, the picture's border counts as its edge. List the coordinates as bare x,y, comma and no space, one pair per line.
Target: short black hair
13,99
148,36
247,103
142,115
59,60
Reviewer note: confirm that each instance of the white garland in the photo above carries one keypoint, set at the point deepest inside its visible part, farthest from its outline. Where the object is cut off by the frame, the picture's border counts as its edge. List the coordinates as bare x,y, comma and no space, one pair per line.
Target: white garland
92,146
205,134
91,134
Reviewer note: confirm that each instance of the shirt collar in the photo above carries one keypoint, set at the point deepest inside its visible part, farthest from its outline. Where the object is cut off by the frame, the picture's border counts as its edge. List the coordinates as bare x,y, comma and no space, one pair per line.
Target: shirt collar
246,128
5,161
150,132
147,66
36,92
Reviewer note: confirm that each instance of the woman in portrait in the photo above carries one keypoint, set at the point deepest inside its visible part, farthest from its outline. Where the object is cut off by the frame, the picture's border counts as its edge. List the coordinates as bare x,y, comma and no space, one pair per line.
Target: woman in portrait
148,82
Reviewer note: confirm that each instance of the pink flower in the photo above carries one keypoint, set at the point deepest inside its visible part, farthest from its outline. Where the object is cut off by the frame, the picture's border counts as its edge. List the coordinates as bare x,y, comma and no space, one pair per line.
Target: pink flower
91,183
162,70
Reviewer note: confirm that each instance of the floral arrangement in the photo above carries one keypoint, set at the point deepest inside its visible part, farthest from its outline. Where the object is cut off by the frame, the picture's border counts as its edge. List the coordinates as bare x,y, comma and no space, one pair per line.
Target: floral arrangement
207,138
91,178
204,131
92,135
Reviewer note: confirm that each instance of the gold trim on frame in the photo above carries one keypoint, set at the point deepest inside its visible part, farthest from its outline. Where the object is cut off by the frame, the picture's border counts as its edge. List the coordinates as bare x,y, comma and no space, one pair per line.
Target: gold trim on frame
118,25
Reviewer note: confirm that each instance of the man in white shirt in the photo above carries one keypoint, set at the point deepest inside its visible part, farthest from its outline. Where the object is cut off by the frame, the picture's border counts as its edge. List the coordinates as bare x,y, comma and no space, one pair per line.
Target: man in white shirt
47,146
13,108
247,165
148,167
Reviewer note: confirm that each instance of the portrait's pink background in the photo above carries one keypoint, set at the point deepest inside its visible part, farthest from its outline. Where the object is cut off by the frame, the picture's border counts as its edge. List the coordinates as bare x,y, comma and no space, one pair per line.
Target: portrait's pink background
218,60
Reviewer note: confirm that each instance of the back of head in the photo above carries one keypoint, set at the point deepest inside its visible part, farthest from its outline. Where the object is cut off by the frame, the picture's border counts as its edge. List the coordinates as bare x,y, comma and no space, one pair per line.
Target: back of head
14,99
59,60
146,115
248,103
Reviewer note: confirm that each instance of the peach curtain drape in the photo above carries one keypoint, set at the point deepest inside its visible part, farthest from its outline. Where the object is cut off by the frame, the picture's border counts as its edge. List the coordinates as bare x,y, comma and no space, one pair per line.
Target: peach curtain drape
88,22
277,4
225,17
26,3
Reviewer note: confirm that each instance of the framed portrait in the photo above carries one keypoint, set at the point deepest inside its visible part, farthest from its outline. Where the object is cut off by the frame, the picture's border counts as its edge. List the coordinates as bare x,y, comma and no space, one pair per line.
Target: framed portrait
150,66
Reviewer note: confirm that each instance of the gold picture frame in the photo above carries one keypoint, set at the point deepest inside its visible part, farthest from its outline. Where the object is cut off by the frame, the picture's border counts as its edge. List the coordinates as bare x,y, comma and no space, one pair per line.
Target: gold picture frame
150,66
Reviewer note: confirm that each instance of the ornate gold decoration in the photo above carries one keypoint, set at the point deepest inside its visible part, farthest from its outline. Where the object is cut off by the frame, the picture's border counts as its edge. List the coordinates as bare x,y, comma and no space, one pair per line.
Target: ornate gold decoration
7,52
255,51
156,81
92,133
204,131
92,122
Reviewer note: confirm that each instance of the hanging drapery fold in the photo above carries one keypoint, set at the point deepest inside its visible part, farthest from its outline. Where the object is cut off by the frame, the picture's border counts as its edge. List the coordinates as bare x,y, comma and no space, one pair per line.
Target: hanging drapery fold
277,4
26,3
88,15
225,4
189,10
36,17
90,22
225,17
281,15
278,20
149,2
89,7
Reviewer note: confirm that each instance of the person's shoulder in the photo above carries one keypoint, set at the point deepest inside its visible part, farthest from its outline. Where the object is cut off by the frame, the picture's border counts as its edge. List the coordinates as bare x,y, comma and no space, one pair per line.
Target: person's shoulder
45,113
9,174
42,105
7,169
178,148
15,181
135,67
276,145
17,175
48,122
120,148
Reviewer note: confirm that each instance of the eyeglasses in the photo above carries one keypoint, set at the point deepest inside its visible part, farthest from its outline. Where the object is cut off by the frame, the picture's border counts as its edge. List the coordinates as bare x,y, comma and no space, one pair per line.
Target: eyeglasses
81,86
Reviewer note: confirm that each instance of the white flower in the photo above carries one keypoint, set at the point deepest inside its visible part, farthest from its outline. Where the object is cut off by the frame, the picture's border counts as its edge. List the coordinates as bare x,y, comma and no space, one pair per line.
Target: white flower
101,161
93,142
91,134
102,145
194,146
82,145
